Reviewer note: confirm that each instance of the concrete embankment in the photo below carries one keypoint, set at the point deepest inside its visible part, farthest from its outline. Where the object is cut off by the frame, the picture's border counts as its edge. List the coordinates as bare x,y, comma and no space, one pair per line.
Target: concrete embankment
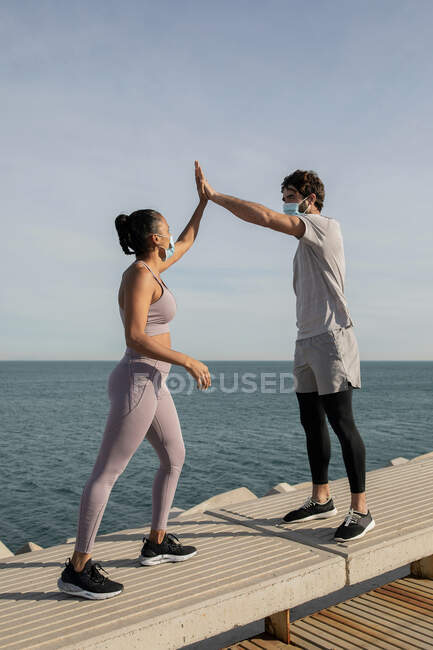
238,495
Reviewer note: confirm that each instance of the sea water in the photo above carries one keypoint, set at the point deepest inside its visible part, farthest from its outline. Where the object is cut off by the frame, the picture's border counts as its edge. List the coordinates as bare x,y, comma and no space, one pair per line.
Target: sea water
244,432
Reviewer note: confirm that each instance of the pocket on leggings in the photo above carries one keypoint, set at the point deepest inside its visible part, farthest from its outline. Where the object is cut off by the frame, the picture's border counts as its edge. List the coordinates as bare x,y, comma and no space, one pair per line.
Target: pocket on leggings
141,375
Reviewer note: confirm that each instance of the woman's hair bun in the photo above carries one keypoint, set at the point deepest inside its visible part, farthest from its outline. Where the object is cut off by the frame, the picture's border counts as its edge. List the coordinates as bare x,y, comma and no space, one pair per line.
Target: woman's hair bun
122,226
121,219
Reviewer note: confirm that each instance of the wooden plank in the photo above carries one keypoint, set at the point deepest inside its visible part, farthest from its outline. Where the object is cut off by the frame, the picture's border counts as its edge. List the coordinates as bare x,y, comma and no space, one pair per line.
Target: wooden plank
389,627
397,609
420,585
263,641
300,641
408,596
324,636
343,628
266,641
423,568
392,599
278,625
399,595
387,616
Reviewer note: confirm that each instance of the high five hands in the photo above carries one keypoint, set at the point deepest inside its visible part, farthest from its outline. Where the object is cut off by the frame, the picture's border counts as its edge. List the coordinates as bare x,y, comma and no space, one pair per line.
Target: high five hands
205,190
197,369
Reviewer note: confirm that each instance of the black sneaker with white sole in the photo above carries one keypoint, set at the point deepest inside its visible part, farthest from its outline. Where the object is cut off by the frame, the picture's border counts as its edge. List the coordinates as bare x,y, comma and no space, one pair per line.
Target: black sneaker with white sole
88,583
169,550
312,510
354,526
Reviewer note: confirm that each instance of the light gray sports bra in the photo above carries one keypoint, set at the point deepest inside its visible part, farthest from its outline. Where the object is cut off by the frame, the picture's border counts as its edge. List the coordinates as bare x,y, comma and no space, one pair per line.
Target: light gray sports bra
160,312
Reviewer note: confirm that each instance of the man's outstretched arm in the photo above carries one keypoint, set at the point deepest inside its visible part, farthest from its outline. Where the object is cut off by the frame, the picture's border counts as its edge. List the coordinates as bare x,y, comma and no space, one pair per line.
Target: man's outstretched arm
256,213
259,214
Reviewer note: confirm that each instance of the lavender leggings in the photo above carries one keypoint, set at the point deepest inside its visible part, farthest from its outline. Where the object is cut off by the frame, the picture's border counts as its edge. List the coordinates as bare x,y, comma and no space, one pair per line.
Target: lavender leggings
141,405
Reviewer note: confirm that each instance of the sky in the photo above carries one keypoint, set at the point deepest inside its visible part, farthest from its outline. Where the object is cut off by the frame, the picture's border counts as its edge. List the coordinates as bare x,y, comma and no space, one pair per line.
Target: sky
106,105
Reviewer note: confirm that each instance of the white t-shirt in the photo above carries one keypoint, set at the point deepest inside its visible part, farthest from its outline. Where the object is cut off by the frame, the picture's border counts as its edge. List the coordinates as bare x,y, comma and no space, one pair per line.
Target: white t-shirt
318,277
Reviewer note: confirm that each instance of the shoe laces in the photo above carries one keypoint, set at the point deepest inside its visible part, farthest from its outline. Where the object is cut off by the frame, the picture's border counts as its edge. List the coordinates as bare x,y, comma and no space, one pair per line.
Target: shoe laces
173,540
352,517
95,575
170,539
308,503
92,571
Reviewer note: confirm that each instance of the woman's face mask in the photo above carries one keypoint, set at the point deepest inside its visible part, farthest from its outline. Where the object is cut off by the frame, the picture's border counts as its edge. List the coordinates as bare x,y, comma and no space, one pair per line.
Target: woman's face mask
168,251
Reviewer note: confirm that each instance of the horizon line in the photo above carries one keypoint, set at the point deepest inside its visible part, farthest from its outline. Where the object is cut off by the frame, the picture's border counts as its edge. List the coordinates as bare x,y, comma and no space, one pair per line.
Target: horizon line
206,360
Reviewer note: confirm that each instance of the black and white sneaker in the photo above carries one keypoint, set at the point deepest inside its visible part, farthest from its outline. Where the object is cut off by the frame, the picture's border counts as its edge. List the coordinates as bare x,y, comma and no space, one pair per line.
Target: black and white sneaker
169,550
312,510
355,525
88,583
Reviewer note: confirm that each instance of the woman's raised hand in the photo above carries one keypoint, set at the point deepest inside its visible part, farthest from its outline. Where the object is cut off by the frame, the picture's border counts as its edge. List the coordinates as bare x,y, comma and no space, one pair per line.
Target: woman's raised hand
205,190
200,372
200,185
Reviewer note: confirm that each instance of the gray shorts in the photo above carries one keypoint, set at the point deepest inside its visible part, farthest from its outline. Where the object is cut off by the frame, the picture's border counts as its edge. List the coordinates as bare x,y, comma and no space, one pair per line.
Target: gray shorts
327,362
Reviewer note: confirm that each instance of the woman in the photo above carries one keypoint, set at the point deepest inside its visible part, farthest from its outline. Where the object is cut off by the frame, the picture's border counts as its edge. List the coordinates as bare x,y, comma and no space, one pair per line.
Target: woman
141,404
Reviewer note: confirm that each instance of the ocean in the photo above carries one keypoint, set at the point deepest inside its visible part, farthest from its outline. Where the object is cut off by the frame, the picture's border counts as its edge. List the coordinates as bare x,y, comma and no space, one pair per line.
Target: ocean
245,432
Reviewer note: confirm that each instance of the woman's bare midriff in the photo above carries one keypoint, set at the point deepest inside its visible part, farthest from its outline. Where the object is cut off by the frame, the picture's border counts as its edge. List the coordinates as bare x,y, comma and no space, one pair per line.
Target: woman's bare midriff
164,338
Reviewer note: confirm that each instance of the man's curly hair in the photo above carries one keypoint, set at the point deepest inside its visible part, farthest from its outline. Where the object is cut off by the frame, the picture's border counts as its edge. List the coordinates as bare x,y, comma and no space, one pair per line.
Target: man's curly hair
306,182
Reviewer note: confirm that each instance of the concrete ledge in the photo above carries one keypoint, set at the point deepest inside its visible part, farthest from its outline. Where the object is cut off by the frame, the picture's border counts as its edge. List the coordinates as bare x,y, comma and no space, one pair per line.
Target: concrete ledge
238,495
217,616
239,575
398,461
281,488
28,548
399,498
175,512
4,550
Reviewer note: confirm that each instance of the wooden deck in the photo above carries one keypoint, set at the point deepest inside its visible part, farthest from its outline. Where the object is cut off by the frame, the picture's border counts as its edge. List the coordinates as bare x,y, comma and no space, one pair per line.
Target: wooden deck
249,567
397,615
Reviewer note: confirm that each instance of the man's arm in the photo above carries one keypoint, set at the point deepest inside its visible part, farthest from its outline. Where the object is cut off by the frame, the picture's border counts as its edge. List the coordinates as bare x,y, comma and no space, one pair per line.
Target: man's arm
256,213
259,214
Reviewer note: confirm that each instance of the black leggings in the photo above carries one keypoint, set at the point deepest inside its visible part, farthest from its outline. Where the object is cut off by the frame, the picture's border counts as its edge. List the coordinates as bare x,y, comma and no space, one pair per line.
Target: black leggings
338,408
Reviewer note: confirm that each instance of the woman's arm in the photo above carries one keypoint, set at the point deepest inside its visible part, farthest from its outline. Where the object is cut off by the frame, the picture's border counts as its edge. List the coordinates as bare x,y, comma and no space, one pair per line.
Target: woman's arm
189,233
187,236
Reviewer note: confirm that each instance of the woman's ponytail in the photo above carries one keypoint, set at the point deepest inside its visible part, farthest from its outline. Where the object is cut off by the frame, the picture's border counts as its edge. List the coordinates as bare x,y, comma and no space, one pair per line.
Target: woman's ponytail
122,226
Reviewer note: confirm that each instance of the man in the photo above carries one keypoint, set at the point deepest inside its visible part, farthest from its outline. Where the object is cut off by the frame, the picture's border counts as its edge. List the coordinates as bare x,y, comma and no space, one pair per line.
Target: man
326,361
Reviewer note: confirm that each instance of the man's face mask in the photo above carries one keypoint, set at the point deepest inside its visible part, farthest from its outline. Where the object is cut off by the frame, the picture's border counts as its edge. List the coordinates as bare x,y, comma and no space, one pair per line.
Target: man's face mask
293,208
